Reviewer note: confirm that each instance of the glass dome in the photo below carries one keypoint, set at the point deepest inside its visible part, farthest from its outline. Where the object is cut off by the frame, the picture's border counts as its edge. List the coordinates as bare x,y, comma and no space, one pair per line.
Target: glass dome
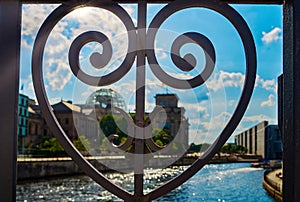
105,98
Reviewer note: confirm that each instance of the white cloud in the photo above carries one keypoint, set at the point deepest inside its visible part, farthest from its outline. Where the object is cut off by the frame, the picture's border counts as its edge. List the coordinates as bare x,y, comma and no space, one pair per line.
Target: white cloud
201,111
270,102
161,53
217,122
58,77
258,118
182,76
55,100
56,67
232,103
250,121
32,18
269,85
225,79
82,96
208,130
125,89
271,36
236,79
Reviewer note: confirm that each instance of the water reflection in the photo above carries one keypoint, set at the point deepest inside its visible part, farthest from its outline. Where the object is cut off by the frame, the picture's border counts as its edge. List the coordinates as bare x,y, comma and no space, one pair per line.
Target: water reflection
220,182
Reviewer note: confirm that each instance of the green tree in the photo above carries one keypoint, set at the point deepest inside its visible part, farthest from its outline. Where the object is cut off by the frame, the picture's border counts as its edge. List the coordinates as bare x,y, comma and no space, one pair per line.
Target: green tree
49,147
159,143
82,143
161,136
52,145
231,149
195,148
241,149
227,148
110,124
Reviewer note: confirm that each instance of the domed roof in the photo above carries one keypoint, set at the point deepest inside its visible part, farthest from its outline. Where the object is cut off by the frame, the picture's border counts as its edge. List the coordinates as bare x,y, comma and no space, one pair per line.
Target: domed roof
105,98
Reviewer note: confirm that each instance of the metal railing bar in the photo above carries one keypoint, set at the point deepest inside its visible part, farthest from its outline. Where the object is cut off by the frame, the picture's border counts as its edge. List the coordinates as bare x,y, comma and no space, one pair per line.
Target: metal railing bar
278,2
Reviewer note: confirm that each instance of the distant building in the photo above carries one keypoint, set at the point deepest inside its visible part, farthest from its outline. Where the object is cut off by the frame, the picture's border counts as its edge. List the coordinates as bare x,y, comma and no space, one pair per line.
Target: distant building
71,118
36,126
78,120
176,122
262,139
74,122
23,116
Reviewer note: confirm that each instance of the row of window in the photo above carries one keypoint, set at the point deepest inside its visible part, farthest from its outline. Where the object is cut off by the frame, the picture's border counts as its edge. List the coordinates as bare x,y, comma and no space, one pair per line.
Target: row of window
166,103
23,102
23,111
22,131
22,121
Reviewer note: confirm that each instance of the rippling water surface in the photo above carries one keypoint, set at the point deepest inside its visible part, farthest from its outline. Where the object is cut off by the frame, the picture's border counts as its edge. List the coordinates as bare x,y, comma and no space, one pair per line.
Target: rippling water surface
219,182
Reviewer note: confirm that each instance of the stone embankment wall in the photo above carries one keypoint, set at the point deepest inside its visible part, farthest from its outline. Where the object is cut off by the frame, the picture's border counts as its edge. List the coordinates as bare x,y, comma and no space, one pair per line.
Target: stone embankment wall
42,169
34,168
50,167
272,182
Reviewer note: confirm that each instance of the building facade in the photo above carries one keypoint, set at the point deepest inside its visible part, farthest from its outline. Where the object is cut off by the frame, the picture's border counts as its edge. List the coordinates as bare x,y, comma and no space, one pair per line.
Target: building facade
71,118
262,139
176,123
78,120
23,120
23,115
75,122
37,127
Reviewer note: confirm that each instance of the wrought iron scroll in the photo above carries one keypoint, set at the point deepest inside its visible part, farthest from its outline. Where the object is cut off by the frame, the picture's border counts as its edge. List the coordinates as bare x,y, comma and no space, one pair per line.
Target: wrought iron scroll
141,46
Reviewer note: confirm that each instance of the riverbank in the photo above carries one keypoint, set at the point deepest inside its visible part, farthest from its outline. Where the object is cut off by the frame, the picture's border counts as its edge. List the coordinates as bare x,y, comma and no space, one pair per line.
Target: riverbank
272,182
37,168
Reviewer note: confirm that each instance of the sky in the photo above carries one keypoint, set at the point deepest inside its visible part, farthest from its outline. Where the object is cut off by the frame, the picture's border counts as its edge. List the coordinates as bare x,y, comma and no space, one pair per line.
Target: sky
209,106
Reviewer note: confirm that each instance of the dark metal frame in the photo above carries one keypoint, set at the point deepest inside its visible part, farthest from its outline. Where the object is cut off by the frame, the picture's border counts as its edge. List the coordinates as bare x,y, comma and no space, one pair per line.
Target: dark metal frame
10,15
141,46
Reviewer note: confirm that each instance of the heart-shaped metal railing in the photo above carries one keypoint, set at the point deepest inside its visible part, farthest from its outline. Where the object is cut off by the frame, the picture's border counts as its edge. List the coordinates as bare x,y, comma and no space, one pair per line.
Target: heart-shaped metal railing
141,46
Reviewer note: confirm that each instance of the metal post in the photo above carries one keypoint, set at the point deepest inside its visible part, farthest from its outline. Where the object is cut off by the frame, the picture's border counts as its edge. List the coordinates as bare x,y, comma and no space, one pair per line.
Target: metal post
280,104
140,100
291,86
10,21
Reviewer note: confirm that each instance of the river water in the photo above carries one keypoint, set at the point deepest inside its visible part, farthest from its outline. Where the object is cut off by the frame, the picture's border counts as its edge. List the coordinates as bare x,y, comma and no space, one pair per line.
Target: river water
216,182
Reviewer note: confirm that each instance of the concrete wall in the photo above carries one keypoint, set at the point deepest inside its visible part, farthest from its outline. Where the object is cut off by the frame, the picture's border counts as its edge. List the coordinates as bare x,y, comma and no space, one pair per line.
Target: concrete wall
260,141
28,169
33,169
263,140
253,139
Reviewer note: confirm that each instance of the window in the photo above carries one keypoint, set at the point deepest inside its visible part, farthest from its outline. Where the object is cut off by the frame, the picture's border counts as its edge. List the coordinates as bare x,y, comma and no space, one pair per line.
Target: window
36,130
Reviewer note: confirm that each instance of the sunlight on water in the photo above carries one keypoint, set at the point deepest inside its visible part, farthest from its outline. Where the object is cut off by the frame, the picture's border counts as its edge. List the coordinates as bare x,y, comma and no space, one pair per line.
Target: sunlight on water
220,182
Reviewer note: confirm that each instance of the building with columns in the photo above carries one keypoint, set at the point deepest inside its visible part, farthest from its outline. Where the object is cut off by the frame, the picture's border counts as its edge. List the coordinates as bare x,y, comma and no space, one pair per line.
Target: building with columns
262,139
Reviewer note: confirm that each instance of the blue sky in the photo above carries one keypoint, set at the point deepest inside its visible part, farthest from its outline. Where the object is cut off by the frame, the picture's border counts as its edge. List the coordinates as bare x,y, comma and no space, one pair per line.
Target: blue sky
209,106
